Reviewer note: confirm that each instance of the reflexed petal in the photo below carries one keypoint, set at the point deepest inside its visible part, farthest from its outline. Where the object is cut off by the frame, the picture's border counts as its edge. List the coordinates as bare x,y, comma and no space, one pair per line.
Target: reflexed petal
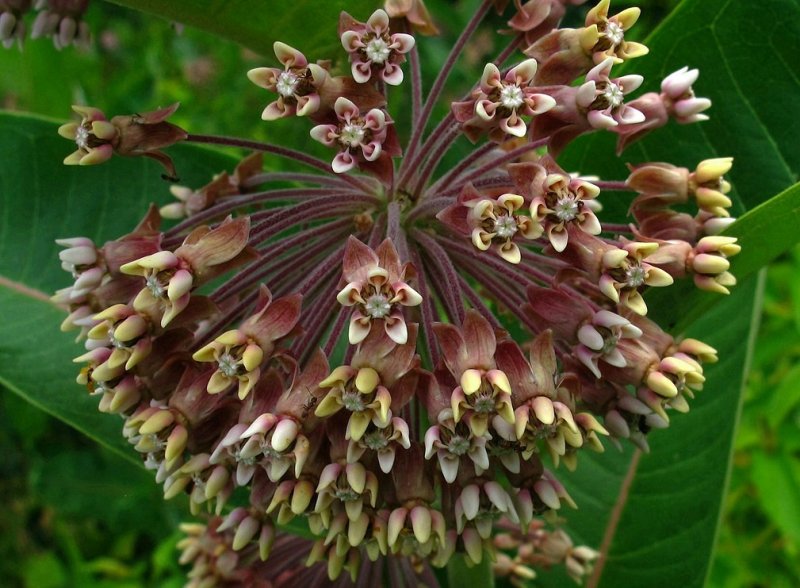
392,74
359,328
343,162
308,104
395,326
471,381
524,73
289,56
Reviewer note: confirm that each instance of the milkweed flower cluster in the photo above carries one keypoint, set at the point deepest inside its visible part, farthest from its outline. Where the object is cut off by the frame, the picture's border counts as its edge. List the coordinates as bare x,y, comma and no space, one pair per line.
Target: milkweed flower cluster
334,346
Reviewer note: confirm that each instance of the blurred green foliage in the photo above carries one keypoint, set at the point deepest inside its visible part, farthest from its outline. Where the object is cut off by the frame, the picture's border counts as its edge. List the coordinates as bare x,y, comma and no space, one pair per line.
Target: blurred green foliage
759,543
76,515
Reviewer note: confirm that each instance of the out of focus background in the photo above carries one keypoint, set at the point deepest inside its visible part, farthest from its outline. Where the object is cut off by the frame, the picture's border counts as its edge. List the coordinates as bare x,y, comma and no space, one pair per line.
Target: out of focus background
76,515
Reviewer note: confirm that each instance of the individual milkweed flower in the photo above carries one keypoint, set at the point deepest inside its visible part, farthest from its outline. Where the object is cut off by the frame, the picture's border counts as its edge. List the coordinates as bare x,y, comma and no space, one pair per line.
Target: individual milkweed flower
560,201
347,485
358,138
377,289
609,33
544,401
372,48
492,223
94,135
239,353
566,54
677,100
482,390
603,98
500,102
139,134
298,85
451,441
384,442
81,259
664,184
126,332
599,338
372,384
626,271
710,263
171,276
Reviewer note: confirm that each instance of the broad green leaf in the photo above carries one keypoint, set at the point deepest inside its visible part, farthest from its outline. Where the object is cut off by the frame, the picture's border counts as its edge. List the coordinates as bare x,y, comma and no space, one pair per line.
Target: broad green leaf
656,516
41,200
310,26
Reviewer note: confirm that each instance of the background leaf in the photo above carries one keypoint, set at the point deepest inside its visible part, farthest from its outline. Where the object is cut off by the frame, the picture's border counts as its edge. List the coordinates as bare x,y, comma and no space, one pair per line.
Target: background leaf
257,24
102,203
664,529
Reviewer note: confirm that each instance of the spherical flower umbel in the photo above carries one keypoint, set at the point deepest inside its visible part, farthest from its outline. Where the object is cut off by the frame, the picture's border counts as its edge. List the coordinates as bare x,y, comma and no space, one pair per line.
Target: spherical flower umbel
401,352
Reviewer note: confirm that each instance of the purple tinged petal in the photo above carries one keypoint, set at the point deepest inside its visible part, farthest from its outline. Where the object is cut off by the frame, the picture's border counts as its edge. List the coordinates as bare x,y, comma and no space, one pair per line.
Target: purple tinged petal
361,72
629,83
601,120
289,56
628,115
397,520
392,74
588,358
343,162
522,74
307,104
396,328
690,106
351,41
345,109
402,42
586,94
276,110
325,134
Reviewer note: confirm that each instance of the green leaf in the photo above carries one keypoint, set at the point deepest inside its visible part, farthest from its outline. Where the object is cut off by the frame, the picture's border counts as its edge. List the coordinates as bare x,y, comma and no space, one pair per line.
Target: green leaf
40,201
461,574
257,24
